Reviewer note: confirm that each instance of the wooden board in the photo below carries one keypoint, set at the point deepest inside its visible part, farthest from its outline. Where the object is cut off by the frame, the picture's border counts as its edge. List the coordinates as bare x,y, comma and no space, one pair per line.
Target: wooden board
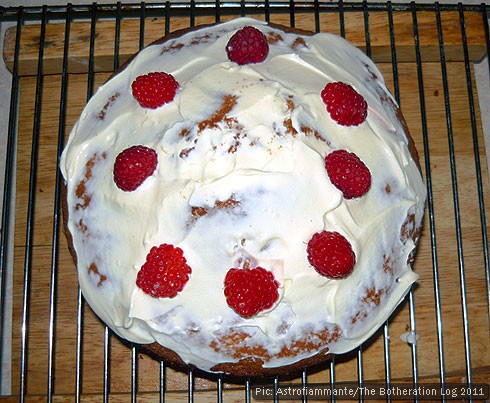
105,32
148,373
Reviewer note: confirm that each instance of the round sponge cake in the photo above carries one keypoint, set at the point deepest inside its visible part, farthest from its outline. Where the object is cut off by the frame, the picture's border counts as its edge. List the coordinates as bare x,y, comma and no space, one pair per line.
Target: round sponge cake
244,198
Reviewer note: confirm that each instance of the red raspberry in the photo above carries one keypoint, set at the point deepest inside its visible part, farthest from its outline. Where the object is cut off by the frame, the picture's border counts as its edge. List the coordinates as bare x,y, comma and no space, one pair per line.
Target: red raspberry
331,255
344,104
165,272
348,173
250,291
247,45
154,89
133,166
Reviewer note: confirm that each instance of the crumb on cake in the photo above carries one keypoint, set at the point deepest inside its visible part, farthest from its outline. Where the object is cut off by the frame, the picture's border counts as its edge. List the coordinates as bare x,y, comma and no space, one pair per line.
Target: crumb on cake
372,298
387,264
308,131
95,270
273,37
81,188
298,42
241,345
112,99
409,229
229,101
200,211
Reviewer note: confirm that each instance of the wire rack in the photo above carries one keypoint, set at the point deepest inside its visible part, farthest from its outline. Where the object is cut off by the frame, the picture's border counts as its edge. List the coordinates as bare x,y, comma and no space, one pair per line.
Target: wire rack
59,55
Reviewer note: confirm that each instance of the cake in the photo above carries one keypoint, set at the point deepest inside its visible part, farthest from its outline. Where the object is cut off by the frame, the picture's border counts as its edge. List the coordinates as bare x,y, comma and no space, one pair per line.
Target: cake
244,198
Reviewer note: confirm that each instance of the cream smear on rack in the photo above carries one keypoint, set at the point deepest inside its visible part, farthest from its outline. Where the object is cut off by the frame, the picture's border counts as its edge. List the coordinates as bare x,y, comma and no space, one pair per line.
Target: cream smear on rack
276,173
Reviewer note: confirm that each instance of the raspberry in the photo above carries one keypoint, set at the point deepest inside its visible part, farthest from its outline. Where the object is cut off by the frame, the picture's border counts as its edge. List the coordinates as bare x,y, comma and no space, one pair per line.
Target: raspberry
344,104
154,89
247,45
165,272
250,291
133,166
348,173
331,254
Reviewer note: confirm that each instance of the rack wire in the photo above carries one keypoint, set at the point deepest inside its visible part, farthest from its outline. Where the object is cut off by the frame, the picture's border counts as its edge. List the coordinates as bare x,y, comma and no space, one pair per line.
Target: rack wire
472,268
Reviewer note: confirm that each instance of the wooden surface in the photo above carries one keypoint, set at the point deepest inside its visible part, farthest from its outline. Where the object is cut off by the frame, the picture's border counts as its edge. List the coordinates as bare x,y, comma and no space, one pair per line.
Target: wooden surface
148,370
155,28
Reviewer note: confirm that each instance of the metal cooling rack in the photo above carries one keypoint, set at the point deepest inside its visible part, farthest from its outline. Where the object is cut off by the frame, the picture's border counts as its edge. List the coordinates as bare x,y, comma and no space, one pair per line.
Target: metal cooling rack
144,12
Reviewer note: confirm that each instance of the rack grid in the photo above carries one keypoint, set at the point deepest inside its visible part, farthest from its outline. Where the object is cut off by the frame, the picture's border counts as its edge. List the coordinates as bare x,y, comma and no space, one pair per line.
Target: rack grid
59,55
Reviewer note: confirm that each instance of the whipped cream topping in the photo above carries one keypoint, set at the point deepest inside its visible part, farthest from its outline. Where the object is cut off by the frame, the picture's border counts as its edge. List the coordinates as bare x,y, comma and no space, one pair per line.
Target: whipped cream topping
246,146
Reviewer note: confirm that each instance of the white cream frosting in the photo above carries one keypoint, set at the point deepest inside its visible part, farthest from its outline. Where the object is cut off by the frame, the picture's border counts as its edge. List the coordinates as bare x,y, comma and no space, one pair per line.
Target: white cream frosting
278,179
